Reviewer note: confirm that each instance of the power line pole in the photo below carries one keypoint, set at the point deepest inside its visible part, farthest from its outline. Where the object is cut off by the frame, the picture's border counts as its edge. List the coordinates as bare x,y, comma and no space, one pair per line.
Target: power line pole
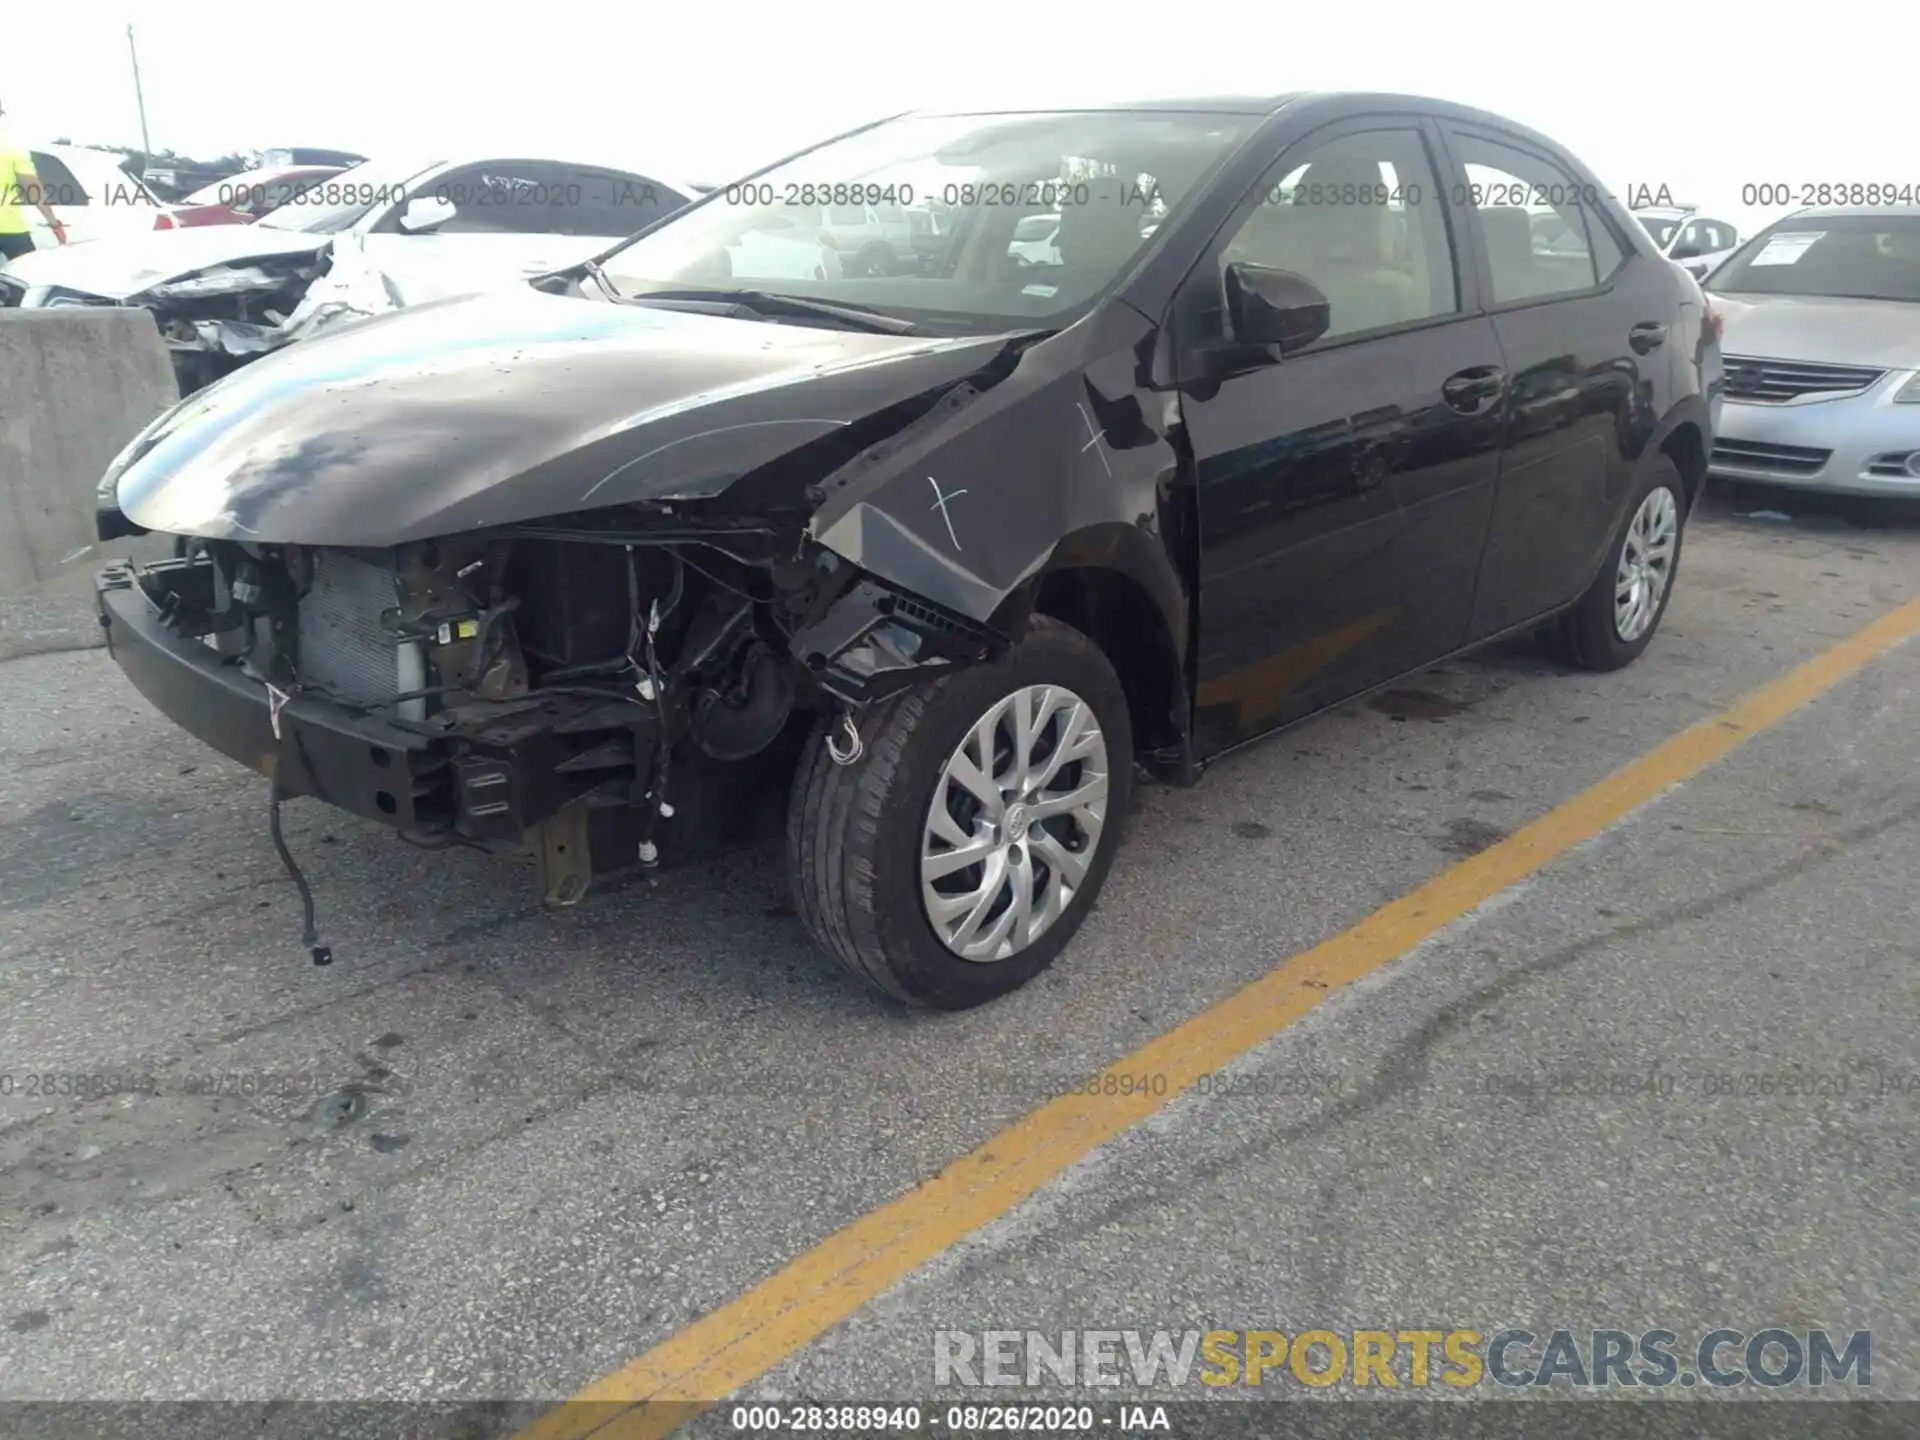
139,99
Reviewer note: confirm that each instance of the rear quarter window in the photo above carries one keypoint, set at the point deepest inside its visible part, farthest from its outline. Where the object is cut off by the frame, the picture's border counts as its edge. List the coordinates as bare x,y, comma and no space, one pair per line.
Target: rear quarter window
58,186
1544,231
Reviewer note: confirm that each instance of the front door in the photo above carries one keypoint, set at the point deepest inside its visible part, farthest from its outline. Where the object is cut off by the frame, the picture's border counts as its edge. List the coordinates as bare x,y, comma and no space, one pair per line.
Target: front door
1343,489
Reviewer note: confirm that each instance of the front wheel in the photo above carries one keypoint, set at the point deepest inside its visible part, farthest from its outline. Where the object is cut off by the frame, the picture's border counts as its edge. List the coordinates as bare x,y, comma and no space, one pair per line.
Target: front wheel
954,859
1615,620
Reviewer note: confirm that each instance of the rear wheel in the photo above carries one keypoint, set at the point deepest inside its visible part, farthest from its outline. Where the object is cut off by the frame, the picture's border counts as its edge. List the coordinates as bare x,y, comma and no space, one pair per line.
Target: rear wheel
955,858
1616,619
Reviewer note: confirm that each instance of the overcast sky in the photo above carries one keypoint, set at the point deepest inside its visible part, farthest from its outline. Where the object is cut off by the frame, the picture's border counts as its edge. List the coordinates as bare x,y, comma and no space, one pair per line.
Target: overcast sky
706,91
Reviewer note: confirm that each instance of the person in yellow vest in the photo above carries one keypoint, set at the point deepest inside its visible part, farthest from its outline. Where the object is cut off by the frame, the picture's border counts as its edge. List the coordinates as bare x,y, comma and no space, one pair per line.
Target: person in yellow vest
19,188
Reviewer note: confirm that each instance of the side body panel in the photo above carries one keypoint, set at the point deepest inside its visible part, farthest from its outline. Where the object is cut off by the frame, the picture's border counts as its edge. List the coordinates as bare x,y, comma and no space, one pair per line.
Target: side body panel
1590,380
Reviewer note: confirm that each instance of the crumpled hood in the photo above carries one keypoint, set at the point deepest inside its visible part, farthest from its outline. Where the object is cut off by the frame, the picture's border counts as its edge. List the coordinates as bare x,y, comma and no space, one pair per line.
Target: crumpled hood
503,408
118,267
1883,333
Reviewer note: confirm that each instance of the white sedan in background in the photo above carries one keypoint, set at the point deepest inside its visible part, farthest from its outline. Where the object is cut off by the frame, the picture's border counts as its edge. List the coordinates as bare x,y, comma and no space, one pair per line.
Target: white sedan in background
1696,242
94,196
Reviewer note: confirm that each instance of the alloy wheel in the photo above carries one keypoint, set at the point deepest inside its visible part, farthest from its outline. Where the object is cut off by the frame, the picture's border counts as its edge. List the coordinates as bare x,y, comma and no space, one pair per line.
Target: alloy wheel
1014,823
1646,564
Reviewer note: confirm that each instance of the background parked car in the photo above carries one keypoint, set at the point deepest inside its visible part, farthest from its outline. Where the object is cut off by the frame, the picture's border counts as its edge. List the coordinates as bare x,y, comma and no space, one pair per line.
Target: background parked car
307,155
384,234
244,198
1822,354
94,194
1697,242
1034,238
869,239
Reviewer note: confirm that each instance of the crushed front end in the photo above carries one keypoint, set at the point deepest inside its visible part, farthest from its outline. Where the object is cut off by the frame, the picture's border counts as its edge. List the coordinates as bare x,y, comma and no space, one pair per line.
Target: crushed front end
628,688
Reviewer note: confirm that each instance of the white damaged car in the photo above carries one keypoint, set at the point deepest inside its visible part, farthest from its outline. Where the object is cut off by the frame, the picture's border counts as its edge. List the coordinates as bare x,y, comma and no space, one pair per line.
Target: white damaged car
382,234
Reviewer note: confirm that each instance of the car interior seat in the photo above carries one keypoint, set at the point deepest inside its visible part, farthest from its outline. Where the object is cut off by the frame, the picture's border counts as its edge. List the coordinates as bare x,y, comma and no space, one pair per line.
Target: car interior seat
1347,246
1509,232
1101,235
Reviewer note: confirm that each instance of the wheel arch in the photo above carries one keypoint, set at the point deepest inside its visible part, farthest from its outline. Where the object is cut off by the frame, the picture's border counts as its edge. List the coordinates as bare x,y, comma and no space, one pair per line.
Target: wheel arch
1684,437
1116,585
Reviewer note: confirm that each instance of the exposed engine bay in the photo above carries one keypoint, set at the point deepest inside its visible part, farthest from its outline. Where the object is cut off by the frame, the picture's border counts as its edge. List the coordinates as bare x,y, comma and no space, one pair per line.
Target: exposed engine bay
547,689
590,582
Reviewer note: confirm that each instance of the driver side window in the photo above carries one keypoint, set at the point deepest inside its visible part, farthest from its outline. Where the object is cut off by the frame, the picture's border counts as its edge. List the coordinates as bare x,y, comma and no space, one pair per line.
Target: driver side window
1362,218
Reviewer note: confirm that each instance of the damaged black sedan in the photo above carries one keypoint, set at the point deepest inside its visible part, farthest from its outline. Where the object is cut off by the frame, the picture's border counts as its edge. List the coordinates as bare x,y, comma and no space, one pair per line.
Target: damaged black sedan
920,559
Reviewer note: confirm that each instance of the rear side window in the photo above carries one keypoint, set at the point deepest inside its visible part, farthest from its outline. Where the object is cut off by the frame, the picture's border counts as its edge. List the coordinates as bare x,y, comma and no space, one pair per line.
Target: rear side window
610,205
1543,232
57,184
259,199
1709,236
502,197
297,192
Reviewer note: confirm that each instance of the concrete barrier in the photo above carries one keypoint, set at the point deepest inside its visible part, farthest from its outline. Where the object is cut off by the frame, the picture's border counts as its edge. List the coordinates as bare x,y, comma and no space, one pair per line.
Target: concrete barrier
76,384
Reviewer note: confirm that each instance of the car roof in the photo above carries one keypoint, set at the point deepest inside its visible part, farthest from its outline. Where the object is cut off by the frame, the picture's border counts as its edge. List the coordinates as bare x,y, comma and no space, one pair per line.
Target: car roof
1338,102
86,155
1205,105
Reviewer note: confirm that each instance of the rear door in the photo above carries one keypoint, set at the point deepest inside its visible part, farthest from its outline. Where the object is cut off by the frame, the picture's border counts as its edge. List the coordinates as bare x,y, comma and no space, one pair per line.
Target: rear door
1343,490
1583,331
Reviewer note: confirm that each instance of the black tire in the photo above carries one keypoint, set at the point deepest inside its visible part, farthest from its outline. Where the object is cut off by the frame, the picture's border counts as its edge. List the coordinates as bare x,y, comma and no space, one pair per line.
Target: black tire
1587,633
877,260
854,831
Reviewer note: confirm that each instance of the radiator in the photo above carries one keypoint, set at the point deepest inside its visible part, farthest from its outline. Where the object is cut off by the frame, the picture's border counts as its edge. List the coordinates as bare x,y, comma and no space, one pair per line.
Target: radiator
343,646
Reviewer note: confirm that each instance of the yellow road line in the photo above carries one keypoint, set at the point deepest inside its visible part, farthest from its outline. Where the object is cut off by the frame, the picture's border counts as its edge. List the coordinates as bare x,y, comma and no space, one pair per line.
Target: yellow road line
726,1349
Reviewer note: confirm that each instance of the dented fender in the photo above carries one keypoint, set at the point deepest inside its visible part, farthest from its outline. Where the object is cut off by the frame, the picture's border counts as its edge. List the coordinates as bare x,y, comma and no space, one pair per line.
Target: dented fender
1068,462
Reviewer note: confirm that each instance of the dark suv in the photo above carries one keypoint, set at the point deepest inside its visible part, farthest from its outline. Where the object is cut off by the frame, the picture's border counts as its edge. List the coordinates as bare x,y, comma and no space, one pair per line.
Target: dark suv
603,567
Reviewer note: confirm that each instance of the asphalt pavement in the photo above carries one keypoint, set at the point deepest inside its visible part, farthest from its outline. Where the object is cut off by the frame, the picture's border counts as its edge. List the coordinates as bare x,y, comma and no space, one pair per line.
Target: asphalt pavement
495,1152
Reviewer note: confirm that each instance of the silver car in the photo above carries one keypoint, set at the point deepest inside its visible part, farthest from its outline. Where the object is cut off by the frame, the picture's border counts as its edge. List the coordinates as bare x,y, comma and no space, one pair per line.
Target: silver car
1822,354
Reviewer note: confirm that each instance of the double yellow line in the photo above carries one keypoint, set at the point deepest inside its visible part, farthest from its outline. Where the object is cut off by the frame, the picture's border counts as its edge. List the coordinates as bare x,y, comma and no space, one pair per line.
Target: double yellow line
740,1341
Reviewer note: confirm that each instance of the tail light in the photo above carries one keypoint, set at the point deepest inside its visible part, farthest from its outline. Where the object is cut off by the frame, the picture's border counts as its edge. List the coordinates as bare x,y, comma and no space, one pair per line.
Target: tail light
163,221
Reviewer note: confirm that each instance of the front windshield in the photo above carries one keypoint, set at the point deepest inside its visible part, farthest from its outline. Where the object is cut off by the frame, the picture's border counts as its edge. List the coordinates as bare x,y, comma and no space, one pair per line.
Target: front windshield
937,218
338,202
1864,257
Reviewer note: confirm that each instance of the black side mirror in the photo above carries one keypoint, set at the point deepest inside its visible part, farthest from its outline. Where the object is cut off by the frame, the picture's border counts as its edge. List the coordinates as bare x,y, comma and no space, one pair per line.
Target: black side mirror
1275,307
1685,252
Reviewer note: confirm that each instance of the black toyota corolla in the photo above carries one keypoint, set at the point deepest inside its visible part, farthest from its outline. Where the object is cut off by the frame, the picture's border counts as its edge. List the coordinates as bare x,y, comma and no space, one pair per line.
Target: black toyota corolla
843,498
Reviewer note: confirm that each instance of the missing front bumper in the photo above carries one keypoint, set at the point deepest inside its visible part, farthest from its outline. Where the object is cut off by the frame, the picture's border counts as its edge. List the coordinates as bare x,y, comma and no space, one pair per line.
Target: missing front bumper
359,764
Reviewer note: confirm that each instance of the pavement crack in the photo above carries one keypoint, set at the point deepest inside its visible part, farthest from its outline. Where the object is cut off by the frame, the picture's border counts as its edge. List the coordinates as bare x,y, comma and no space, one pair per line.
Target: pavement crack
1407,1066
